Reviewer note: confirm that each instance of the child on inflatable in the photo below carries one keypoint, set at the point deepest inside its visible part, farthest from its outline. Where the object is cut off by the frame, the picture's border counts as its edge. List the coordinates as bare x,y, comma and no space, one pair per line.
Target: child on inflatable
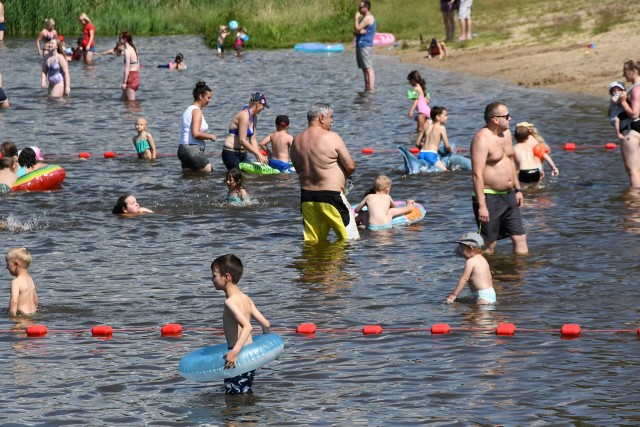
24,299
29,159
226,272
529,152
128,205
280,143
421,101
237,195
476,271
433,135
143,142
616,111
380,206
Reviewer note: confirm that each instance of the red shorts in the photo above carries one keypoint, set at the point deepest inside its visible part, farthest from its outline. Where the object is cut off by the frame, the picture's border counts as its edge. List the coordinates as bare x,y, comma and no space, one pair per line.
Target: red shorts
133,81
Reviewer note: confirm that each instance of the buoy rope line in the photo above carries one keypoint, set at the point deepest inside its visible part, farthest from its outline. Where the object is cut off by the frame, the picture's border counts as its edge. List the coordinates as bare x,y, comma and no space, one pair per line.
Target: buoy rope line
569,330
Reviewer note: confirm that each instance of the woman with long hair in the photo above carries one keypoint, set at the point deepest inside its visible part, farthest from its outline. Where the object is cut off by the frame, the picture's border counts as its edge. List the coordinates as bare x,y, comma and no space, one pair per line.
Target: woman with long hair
88,38
131,78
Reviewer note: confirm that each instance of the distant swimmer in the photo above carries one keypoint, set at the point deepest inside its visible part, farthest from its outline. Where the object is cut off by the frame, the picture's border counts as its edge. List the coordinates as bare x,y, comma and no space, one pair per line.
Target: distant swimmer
128,205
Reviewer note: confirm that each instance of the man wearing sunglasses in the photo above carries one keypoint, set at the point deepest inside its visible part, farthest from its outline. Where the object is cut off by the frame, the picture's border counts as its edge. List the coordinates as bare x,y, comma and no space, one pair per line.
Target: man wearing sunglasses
497,196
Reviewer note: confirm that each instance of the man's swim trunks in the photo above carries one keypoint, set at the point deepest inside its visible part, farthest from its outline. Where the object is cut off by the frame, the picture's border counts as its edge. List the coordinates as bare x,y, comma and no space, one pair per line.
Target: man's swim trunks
133,80
529,176
488,295
504,216
239,384
327,210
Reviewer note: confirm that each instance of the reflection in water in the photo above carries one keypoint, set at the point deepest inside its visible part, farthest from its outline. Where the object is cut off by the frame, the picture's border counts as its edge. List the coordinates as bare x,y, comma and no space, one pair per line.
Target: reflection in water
324,263
631,222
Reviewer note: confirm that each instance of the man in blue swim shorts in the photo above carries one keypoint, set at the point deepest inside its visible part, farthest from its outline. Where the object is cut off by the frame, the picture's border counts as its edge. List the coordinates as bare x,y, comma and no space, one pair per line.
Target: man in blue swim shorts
323,164
497,196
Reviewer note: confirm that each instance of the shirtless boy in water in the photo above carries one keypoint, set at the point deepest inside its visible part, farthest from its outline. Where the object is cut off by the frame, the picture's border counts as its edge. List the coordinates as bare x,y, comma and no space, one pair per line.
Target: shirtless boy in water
434,134
226,272
24,299
380,206
280,141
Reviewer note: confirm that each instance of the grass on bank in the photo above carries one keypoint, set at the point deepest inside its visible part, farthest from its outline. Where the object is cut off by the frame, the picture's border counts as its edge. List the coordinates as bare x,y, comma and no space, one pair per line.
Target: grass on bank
282,23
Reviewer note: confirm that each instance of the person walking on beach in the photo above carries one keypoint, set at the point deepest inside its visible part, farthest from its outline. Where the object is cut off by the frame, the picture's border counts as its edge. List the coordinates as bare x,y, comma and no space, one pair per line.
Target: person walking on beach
497,196
365,29
323,164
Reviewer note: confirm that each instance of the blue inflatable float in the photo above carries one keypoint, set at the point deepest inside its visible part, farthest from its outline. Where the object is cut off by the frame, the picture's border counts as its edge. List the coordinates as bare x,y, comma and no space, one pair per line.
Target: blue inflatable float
413,165
319,47
207,364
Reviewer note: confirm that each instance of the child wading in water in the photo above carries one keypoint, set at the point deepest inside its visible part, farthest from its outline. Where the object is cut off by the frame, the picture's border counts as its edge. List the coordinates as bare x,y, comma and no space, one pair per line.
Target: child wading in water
421,102
222,35
226,272
24,299
435,133
280,141
380,206
476,271
237,194
143,142
529,152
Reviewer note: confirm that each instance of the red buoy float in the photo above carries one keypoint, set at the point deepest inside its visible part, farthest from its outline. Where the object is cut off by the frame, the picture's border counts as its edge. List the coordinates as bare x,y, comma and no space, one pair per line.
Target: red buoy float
570,146
414,150
506,329
84,155
372,330
306,328
367,150
610,146
440,328
36,331
171,329
109,155
102,331
570,330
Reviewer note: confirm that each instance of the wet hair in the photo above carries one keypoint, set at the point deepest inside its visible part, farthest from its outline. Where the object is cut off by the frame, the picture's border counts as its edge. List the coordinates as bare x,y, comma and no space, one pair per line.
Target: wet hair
318,109
121,204
27,157
200,89
436,111
21,255
491,110
6,163
84,17
236,175
415,78
179,58
382,182
632,65
126,36
9,149
228,264
522,133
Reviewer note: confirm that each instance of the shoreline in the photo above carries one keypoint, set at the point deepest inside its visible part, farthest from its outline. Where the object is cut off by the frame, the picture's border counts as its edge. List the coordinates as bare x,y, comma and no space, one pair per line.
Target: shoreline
566,66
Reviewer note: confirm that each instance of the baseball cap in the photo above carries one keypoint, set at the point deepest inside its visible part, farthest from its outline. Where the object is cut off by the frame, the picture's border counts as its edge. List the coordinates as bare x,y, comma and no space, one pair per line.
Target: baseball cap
259,97
282,121
525,124
472,239
38,153
61,38
616,84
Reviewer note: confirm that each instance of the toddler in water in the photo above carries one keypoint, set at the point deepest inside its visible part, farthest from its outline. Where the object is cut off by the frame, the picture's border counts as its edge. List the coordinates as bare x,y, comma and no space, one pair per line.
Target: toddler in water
380,207
529,152
237,194
434,134
143,142
128,205
476,271
280,141
222,35
617,115
240,39
226,272
24,299
421,102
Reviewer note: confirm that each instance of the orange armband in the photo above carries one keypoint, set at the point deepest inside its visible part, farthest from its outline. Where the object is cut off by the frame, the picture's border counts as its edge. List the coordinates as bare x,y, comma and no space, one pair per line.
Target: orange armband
540,150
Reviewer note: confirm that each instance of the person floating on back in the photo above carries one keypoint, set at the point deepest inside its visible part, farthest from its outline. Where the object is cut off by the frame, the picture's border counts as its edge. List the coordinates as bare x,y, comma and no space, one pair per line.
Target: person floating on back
380,206
476,271
226,272
280,141
24,299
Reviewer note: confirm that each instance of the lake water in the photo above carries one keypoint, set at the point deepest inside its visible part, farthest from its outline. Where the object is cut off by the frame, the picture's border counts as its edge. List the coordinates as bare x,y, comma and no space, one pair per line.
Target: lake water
137,274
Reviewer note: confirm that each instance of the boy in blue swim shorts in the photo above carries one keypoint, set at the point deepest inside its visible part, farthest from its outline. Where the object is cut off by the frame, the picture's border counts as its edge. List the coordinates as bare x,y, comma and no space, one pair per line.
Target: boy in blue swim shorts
280,141
226,271
476,271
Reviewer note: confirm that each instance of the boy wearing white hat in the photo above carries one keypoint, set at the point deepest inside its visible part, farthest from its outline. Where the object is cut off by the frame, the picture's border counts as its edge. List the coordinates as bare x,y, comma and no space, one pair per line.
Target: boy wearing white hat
476,271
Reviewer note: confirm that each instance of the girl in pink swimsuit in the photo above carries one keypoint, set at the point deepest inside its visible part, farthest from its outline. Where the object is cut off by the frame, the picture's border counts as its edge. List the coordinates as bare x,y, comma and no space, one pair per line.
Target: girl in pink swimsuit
419,86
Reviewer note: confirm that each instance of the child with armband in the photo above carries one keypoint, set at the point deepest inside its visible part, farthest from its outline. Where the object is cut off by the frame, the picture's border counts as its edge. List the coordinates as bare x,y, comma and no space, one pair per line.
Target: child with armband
24,299
617,116
280,141
226,272
476,271
380,206
529,152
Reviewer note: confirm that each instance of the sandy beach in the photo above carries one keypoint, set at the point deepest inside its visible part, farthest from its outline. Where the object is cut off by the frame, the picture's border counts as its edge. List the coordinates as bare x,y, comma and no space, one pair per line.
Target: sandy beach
567,65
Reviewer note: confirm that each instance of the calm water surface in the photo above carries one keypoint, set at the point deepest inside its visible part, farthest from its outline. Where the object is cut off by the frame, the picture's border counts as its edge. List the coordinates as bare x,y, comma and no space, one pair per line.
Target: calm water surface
94,268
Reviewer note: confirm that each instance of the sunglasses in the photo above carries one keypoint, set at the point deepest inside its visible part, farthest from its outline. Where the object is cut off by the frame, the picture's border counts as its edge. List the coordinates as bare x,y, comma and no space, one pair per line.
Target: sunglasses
506,116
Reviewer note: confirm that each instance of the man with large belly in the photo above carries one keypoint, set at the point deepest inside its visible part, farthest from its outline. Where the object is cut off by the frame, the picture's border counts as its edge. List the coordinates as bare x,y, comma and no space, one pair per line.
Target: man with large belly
323,164
497,196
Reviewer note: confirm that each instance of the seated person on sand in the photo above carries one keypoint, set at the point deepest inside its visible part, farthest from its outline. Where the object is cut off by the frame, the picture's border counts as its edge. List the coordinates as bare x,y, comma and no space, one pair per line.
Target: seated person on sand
280,143
128,205
7,176
434,134
529,153
29,159
380,207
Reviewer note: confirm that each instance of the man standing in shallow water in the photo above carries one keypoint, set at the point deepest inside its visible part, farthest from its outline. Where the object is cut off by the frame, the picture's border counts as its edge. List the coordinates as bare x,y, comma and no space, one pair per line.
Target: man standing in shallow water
365,30
497,196
323,164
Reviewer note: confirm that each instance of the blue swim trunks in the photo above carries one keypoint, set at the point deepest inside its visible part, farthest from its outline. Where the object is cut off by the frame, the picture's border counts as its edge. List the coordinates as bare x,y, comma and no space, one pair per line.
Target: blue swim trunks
239,384
377,227
429,156
285,167
486,294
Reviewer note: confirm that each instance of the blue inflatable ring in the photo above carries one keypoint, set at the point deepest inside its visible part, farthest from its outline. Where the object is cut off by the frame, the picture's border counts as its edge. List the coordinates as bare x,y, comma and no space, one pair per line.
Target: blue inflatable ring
207,364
